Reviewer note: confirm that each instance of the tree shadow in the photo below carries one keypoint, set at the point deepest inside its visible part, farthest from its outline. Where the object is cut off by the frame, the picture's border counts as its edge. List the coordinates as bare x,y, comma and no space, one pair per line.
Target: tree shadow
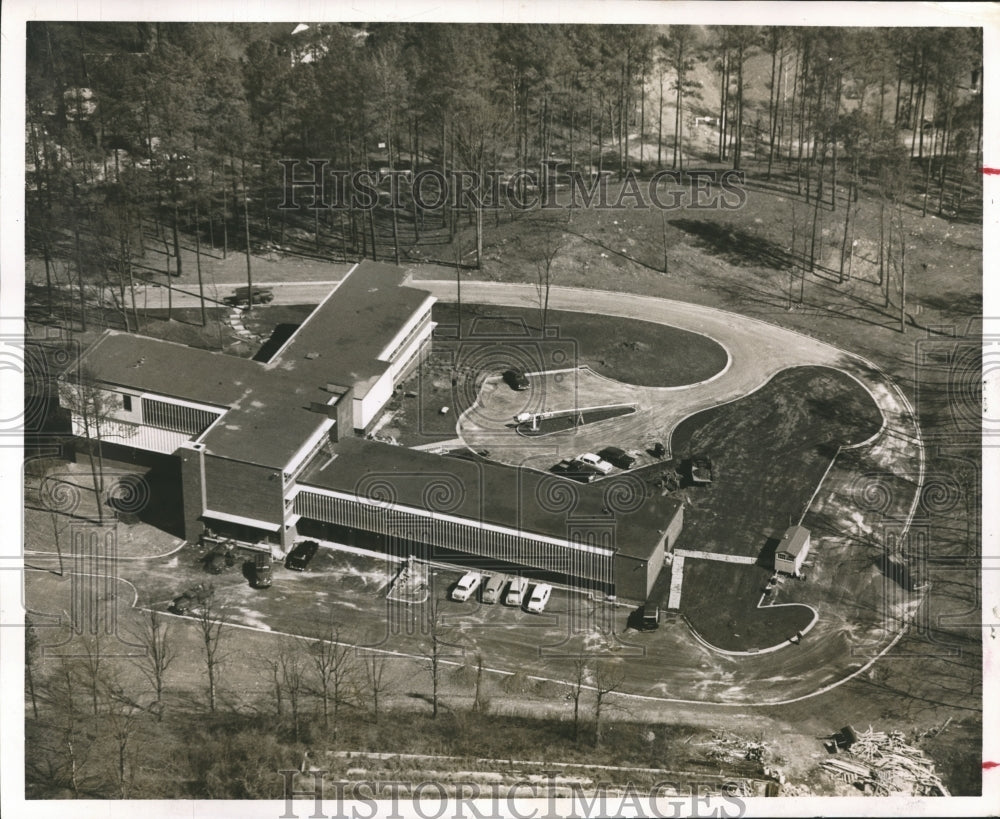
765,559
278,337
739,247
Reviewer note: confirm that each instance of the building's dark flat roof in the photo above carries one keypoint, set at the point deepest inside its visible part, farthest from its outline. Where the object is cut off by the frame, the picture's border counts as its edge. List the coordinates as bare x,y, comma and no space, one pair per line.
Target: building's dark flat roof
268,425
350,328
480,490
168,368
793,540
268,419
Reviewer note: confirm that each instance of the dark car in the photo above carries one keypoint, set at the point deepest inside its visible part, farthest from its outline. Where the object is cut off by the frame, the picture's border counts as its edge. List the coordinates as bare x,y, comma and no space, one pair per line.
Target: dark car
649,618
248,295
261,577
218,560
516,379
182,604
619,457
572,468
300,556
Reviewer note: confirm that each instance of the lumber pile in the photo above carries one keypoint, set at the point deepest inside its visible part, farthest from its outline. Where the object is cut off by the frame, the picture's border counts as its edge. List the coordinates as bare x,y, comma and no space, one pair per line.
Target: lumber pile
729,746
883,763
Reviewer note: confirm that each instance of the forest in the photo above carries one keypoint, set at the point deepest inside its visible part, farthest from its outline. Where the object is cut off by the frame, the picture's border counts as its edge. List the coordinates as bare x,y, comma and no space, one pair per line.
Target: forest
165,134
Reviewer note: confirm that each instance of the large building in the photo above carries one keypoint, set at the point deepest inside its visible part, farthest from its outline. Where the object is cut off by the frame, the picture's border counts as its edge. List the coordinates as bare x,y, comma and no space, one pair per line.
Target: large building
269,452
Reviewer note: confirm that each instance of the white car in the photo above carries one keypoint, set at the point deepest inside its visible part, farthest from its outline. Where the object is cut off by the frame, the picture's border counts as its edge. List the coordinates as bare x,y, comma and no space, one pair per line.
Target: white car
515,593
539,597
493,587
466,586
590,459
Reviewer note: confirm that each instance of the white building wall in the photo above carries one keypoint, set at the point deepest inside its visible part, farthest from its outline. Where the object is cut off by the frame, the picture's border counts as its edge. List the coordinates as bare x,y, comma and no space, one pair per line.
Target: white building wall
139,436
365,409
124,426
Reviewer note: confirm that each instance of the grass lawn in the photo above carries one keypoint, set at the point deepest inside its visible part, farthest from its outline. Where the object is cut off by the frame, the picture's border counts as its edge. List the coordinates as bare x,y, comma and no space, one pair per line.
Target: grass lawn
494,339
769,452
636,352
727,617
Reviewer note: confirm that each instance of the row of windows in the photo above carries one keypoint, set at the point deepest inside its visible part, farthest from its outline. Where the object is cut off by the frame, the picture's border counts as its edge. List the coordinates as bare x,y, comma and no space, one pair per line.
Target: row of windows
176,418
462,537
420,327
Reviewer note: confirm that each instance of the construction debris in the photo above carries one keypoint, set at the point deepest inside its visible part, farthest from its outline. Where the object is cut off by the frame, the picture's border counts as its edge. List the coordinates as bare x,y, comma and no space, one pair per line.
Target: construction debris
882,763
727,746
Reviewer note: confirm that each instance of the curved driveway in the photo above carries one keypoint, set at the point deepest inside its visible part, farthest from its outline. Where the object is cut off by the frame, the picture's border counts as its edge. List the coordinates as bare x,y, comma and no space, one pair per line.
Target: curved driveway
840,646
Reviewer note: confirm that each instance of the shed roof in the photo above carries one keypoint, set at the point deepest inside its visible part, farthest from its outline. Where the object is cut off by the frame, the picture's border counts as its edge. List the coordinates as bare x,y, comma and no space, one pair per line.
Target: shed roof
794,540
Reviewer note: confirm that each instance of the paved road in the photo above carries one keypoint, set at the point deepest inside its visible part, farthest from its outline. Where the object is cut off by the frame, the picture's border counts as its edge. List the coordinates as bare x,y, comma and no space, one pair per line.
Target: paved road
758,351
186,294
685,669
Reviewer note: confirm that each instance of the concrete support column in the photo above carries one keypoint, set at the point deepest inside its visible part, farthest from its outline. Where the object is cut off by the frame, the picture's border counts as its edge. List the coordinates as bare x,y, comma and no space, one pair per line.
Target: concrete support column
192,457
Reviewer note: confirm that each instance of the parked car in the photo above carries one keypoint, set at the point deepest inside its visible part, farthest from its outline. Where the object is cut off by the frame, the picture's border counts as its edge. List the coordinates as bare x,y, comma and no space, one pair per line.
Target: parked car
299,557
590,459
249,295
515,593
572,468
649,618
219,559
618,457
191,599
493,587
539,597
701,470
516,379
466,586
261,577
181,604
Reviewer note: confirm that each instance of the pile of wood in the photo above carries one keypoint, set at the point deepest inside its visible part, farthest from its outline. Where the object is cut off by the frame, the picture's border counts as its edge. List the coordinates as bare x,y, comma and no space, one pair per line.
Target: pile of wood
728,746
884,763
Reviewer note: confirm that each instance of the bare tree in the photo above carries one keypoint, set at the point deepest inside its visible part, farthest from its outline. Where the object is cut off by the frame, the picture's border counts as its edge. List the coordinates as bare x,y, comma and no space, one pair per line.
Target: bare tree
480,703
92,665
159,653
335,664
608,679
379,685
91,408
122,722
289,679
61,693
545,254
437,634
211,620
30,655
581,669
